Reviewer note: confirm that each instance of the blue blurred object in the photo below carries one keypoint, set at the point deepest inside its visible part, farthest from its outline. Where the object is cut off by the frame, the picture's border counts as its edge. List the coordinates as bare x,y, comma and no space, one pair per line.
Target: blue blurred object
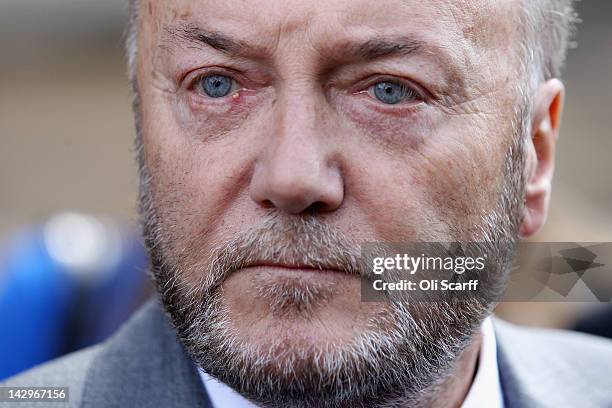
66,285
36,295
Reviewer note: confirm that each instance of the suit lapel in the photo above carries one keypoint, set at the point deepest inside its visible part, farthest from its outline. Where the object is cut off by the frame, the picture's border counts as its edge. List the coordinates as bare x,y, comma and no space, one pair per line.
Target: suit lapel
522,377
515,393
143,366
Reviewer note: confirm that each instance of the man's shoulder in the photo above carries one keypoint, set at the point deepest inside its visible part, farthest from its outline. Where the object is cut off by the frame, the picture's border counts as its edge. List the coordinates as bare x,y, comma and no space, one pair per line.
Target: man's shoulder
80,368
142,365
554,343
67,371
557,366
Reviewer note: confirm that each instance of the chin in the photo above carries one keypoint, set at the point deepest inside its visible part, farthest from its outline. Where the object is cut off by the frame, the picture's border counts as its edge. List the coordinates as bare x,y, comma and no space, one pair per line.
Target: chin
294,308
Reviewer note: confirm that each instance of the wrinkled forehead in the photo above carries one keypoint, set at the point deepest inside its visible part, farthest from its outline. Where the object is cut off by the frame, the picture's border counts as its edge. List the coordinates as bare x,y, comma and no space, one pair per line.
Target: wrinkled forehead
451,24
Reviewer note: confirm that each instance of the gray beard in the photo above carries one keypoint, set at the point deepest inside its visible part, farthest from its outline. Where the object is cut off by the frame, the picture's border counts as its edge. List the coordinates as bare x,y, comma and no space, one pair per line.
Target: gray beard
403,357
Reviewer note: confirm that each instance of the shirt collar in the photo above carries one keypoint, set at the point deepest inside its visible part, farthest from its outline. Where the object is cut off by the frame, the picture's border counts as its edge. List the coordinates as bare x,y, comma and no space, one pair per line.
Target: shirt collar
222,396
486,390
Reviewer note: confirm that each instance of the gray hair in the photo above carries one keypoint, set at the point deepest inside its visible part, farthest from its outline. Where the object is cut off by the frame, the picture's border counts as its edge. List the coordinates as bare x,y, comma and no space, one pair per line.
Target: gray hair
131,40
548,30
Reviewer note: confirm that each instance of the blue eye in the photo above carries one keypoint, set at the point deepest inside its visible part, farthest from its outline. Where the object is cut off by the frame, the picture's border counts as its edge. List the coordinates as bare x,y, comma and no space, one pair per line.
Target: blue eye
391,92
216,86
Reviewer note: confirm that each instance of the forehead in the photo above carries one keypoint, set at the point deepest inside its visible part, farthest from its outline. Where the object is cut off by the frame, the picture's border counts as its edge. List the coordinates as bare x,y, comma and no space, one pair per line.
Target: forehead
484,23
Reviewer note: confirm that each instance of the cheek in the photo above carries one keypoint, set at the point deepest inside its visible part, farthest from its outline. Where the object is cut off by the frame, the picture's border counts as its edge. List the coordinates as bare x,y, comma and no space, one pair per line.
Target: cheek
191,200
427,183
387,193
462,176
199,157
178,196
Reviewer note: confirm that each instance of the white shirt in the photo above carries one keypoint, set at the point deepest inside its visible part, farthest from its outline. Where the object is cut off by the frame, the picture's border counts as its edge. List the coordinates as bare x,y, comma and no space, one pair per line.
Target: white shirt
486,388
485,391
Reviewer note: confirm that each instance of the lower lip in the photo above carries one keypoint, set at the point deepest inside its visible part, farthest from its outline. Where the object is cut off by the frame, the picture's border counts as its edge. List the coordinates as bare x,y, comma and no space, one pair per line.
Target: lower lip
291,270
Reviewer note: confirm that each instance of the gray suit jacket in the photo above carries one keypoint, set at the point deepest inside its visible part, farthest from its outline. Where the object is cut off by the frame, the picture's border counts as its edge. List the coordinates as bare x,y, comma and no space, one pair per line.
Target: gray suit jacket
143,366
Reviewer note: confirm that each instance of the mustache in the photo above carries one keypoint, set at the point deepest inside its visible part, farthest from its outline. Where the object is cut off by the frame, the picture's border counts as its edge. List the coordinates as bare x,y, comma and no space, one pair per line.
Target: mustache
303,241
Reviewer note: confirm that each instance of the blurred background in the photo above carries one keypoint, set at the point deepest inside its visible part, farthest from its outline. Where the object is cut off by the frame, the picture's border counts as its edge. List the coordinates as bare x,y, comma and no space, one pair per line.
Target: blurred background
71,265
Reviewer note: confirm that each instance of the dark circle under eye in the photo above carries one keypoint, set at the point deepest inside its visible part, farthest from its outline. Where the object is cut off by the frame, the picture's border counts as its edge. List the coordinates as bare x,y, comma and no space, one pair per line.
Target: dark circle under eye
390,92
216,86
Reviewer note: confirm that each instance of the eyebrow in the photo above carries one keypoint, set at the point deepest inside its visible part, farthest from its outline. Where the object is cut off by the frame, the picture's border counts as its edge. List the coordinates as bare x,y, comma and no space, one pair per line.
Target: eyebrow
191,35
381,47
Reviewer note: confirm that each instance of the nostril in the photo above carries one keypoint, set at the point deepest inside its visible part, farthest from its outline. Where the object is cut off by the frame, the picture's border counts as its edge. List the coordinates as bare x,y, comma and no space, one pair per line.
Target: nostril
267,204
317,207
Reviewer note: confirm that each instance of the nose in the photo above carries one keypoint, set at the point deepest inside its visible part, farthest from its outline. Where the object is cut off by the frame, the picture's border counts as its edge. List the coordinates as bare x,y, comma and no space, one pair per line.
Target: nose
297,171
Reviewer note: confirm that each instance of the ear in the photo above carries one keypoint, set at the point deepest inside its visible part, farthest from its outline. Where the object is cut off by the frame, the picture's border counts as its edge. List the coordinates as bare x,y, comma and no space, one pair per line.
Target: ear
540,163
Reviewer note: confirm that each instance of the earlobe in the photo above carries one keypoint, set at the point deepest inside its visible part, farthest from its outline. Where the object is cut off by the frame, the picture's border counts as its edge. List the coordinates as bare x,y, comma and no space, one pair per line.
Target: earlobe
540,160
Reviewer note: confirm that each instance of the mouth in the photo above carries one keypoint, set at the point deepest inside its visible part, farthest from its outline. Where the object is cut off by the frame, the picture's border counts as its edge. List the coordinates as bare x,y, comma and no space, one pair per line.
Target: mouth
289,268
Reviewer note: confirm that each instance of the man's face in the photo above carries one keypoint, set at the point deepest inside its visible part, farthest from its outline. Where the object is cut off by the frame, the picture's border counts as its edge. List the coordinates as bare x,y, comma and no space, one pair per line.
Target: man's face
279,135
